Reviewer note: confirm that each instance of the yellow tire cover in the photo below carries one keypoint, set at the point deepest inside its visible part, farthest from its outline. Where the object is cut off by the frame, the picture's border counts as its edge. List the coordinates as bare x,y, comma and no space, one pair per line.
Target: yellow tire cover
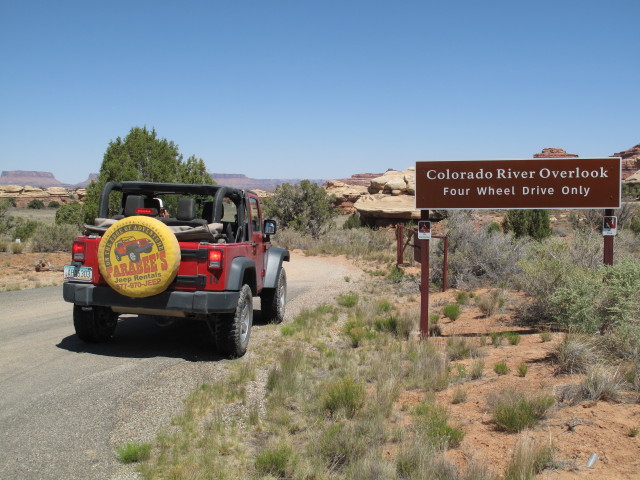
139,256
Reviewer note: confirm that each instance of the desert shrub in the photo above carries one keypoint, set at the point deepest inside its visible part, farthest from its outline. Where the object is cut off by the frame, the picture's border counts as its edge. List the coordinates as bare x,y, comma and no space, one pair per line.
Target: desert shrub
451,311
36,204
357,331
277,461
490,303
432,425
575,353
17,247
528,460
597,300
133,452
426,367
477,257
354,221
462,297
458,348
476,370
305,207
53,238
601,383
345,395
501,368
24,229
493,227
348,300
459,396
514,411
522,369
362,243
395,274
72,214
53,204
534,223
338,444
513,338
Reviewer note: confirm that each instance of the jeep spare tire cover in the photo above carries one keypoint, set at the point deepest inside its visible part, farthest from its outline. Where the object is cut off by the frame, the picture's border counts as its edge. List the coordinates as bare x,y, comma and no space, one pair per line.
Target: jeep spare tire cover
139,256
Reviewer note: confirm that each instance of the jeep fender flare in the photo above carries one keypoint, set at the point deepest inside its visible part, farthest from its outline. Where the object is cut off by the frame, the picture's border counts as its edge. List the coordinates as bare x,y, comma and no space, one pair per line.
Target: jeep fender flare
241,269
275,258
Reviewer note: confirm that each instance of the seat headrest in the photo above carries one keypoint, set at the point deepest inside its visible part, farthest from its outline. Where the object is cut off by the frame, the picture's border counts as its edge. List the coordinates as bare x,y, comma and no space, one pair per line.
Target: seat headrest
186,209
133,202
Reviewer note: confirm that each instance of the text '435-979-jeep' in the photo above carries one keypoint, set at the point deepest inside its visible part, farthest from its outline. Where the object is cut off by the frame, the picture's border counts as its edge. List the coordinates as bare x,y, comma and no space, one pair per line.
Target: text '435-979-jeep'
205,256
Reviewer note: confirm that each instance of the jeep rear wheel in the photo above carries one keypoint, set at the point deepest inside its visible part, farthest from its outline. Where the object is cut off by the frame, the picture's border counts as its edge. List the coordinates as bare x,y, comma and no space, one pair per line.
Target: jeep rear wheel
234,329
94,324
273,300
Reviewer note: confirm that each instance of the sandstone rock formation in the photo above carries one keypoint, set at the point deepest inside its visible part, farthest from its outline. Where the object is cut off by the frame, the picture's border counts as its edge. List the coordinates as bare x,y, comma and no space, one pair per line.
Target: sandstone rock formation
630,162
554,153
395,182
359,179
23,195
346,195
391,198
391,208
24,177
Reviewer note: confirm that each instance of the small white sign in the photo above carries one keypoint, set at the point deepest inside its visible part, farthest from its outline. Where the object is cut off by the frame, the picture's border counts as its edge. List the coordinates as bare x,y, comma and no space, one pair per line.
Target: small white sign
424,230
609,226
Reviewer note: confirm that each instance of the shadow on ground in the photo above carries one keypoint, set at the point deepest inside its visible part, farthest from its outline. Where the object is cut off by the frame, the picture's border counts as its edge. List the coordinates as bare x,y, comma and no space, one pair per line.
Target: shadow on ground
142,337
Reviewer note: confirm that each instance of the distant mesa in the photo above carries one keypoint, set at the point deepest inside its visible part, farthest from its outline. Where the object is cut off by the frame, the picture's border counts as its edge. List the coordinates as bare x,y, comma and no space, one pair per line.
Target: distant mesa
35,179
85,184
238,180
39,179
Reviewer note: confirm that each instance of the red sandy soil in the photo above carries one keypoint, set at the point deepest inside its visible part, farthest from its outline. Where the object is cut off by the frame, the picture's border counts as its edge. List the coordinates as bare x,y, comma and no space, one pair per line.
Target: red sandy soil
574,431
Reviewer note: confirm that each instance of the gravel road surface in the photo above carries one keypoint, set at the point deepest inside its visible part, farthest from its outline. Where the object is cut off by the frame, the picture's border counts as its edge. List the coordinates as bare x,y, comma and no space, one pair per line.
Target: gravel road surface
65,404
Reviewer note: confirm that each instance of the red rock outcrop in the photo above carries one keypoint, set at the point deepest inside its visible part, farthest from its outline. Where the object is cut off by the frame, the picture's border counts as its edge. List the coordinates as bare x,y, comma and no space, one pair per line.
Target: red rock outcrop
359,179
551,152
24,177
630,161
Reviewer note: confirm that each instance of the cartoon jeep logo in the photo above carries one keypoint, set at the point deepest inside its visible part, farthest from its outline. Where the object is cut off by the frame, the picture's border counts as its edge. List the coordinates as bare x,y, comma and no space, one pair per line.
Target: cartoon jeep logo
132,247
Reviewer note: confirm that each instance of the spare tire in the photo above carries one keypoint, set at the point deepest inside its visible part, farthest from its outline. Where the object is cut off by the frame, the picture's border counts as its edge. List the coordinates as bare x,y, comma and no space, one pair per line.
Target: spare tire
139,256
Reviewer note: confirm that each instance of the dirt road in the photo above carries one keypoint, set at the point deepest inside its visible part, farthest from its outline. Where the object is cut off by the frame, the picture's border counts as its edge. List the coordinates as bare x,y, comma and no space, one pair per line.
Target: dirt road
64,404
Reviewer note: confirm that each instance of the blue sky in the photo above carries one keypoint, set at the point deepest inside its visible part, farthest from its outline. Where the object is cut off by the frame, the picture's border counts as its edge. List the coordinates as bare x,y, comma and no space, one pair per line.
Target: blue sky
316,89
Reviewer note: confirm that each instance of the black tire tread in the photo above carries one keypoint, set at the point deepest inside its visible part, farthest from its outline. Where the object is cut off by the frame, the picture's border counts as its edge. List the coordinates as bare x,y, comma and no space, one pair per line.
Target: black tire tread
228,327
269,301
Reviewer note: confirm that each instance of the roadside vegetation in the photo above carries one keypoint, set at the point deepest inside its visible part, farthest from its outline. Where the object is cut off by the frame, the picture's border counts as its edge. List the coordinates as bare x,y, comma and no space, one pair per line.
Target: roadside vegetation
352,393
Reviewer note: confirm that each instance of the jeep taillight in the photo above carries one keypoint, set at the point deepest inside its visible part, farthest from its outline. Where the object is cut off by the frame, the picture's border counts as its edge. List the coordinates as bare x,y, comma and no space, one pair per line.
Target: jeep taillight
78,251
215,259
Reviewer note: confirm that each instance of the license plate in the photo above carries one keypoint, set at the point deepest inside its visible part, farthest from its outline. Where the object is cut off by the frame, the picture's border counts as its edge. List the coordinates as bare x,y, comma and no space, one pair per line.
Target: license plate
77,274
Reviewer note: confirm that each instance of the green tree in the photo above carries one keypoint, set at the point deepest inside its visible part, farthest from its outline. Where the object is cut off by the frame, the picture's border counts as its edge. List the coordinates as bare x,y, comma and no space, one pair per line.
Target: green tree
194,171
535,223
305,207
142,156
72,214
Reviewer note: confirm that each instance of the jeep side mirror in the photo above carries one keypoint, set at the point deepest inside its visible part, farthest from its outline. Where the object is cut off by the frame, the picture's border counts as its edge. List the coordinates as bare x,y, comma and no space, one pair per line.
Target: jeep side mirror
269,227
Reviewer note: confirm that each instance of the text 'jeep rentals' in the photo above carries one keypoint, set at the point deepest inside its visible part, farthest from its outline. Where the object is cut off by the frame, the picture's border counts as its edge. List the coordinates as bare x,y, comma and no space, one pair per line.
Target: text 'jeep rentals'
207,262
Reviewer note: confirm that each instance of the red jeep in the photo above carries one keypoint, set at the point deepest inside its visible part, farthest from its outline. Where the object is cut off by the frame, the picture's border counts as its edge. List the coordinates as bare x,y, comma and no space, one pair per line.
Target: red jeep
206,262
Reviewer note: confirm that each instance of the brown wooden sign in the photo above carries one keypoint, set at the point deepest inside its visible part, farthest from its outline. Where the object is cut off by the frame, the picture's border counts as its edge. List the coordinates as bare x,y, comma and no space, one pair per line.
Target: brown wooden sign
508,184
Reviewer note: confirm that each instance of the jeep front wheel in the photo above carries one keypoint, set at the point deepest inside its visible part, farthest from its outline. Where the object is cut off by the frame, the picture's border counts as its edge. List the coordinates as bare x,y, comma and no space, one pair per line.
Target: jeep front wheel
94,324
234,329
273,300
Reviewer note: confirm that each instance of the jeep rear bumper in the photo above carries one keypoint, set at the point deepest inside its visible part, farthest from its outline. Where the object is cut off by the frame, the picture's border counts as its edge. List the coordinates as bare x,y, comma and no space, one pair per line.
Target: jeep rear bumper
189,302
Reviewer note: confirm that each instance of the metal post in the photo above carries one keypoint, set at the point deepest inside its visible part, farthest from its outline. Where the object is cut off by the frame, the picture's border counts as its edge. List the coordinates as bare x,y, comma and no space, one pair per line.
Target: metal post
608,242
424,282
399,244
444,263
